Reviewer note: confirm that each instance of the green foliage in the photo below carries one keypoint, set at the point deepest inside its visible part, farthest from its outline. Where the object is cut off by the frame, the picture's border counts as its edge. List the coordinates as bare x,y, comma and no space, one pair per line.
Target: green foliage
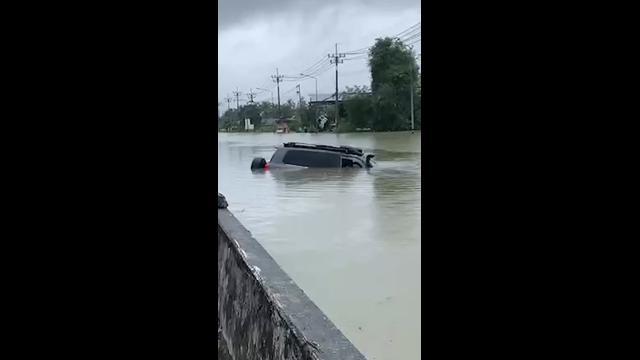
387,106
251,112
392,63
360,110
307,116
229,119
267,110
287,110
234,118
346,126
393,71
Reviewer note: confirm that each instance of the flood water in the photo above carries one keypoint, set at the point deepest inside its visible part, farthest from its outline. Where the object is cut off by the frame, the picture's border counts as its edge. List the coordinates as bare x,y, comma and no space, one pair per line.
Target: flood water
350,238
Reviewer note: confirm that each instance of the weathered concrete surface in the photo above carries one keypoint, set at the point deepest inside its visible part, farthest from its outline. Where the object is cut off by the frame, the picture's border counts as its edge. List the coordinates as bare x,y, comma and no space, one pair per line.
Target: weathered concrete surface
223,349
262,314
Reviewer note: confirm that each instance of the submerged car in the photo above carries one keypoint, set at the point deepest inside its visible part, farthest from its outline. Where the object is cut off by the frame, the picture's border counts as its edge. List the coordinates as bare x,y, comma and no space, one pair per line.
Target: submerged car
303,155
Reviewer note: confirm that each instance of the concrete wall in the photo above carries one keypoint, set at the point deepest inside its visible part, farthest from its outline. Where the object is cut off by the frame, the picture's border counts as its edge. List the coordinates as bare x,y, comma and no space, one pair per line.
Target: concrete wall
262,313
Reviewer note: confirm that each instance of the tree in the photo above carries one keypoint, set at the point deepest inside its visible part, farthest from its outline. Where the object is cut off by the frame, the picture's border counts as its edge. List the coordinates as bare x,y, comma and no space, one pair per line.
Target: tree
288,109
267,110
393,70
359,107
231,119
306,115
251,112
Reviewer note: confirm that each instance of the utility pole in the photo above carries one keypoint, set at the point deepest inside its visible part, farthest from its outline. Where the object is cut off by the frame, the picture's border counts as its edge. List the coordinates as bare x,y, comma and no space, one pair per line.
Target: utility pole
228,99
336,60
299,96
412,123
411,87
237,95
250,95
277,77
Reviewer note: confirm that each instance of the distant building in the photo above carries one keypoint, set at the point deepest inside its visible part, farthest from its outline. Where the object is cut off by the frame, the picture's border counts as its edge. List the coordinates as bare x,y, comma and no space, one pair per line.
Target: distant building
326,99
330,99
248,126
280,125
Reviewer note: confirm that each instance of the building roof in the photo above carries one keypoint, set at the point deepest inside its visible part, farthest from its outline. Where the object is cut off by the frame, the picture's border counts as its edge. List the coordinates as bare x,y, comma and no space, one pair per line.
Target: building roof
328,99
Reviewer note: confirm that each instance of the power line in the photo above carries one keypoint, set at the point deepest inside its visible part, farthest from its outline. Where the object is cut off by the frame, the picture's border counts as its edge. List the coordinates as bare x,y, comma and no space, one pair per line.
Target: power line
315,68
318,71
264,91
359,57
314,65
357,53
322,70
410,28
409,43
354,72
414,42
411,34
291,78
319,62
407,32
411,37
290,90
265,84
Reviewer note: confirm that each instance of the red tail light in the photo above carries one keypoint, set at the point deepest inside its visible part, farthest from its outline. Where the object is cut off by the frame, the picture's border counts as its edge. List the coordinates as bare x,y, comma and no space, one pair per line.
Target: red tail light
266,166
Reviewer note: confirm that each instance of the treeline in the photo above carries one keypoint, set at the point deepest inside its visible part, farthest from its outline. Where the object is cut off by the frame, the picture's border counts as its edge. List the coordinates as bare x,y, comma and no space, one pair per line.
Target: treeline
384,106
232,118
303,115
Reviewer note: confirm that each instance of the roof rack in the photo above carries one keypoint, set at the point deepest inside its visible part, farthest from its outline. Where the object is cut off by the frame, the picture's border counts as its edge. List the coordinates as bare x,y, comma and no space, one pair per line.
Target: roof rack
341,149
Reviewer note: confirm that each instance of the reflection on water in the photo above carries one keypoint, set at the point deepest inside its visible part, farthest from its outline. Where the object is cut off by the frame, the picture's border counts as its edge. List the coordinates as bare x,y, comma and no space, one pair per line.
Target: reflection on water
350,238
300,176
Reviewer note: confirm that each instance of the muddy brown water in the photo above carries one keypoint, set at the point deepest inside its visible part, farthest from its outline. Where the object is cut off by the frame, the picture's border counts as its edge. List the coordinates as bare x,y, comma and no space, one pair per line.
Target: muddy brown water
350,238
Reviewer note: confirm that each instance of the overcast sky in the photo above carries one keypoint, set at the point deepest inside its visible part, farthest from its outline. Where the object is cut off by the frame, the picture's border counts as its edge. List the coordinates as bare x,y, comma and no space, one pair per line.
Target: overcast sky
257,36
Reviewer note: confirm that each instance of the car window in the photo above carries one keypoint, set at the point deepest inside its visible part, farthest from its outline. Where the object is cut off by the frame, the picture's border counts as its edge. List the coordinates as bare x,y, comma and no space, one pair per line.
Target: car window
276,155
347,162
311,158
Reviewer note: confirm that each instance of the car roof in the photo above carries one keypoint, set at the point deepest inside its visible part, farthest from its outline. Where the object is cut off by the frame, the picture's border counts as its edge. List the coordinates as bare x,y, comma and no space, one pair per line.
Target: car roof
339,149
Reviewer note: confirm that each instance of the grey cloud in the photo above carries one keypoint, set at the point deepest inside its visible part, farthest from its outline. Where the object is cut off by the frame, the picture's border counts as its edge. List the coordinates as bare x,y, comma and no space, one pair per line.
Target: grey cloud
232,12
258,39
